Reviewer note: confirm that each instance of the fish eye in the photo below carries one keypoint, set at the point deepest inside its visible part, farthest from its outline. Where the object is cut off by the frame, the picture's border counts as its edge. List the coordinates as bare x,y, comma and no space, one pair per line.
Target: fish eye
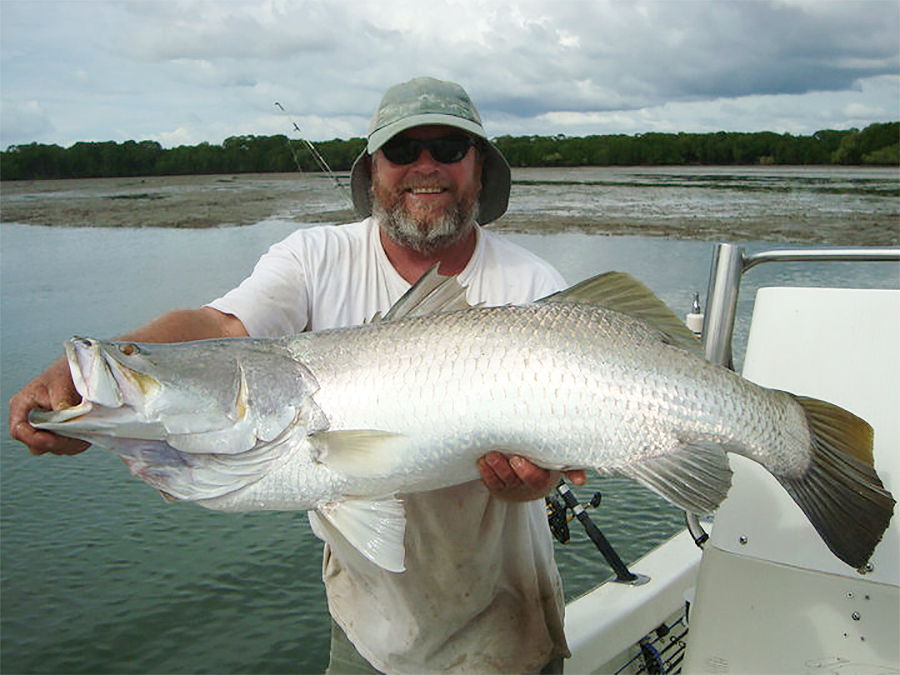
129,349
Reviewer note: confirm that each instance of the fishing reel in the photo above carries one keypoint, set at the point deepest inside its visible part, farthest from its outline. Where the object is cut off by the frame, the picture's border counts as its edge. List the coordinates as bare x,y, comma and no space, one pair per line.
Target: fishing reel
558,519
559,515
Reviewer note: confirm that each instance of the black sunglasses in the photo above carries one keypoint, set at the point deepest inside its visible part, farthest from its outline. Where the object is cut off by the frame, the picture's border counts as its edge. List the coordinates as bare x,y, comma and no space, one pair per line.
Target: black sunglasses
446,150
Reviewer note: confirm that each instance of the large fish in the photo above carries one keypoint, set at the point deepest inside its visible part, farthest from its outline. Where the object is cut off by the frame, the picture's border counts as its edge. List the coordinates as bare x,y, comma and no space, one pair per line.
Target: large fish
601,376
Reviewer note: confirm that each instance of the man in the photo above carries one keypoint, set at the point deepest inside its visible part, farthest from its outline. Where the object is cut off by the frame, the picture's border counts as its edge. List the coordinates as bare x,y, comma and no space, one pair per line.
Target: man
481,592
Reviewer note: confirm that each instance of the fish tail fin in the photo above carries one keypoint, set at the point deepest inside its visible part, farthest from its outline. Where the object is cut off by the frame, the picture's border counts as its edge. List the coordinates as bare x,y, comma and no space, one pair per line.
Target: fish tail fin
840,492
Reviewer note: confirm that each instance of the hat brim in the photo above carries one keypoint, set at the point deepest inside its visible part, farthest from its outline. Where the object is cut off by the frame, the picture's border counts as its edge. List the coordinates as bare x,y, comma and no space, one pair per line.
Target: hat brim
495,173
381,136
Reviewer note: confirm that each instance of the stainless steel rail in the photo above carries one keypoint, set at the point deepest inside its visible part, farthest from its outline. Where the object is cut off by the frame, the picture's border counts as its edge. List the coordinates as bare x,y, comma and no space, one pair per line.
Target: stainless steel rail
729,263
823,255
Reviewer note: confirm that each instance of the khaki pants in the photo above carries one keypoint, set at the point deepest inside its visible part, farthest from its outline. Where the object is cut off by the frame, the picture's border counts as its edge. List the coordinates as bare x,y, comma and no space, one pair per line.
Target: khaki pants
345,660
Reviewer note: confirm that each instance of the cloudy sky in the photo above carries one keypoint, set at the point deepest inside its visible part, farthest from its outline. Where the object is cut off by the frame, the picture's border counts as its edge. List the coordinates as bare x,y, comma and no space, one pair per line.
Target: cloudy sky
185,71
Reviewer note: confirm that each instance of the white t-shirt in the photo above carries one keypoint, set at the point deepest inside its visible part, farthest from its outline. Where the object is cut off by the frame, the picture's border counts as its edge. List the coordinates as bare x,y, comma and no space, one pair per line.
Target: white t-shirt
481,592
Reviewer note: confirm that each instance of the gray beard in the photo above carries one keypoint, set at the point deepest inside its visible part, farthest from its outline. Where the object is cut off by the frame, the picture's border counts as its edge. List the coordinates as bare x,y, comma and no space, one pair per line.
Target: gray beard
425,238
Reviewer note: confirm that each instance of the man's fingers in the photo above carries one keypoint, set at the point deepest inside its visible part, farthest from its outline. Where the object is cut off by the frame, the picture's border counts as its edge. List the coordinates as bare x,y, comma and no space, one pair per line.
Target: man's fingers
41,442
533,475
577,476
497,472
52,390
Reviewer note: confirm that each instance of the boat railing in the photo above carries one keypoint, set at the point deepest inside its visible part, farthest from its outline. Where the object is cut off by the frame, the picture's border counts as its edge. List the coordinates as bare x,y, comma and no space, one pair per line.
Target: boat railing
729,263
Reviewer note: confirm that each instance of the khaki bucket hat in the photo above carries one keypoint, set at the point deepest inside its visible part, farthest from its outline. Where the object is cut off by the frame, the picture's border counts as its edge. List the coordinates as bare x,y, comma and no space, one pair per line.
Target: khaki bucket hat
422,101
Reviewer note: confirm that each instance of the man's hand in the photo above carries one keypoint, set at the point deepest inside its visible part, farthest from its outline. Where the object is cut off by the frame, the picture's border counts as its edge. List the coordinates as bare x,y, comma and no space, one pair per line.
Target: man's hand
52,390
515,479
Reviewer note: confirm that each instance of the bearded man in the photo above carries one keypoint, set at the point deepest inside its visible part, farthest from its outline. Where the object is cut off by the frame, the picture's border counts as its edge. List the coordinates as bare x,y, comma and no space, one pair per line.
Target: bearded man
481,592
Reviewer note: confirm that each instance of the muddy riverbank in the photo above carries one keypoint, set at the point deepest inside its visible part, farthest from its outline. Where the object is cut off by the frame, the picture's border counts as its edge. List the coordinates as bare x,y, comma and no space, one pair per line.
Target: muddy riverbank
825,206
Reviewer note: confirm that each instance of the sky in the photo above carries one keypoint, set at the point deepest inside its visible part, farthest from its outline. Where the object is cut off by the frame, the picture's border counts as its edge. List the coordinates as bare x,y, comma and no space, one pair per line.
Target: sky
182,72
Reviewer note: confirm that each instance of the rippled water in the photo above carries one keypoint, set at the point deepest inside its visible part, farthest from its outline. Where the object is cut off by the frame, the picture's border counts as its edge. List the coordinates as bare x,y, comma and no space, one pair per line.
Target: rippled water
101,576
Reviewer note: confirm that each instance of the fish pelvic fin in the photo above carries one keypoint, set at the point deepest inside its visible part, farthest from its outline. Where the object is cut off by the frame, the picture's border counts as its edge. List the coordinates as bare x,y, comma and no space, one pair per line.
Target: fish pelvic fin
695,477
622,293
840,492
375,528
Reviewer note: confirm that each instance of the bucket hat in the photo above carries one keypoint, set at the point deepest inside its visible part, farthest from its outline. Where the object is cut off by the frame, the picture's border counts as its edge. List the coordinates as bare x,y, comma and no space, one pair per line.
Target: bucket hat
422,101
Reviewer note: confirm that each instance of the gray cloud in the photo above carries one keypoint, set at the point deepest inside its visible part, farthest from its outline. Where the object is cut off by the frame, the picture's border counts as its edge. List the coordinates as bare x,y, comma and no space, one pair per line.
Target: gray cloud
634,55
186,71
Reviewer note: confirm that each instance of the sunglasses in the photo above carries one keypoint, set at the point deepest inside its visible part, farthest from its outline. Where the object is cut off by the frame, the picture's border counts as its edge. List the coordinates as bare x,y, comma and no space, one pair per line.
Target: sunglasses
446,150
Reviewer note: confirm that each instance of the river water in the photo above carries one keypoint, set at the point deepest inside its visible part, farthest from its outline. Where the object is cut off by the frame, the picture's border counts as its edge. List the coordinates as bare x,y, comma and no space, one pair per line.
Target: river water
99,575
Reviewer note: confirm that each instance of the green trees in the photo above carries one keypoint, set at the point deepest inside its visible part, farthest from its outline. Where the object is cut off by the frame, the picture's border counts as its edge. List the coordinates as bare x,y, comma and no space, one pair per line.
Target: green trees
876,144
873,145
237,154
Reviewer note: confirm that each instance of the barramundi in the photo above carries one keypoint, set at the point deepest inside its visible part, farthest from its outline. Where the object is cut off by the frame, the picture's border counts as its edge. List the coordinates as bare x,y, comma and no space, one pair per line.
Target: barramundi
345,422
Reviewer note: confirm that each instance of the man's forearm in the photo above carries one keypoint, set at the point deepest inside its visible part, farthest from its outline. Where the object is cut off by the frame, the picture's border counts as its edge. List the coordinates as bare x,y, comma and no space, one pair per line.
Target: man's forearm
185,325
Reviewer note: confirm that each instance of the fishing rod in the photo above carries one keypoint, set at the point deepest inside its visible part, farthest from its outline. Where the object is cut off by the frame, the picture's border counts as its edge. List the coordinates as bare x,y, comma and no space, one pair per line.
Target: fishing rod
320,160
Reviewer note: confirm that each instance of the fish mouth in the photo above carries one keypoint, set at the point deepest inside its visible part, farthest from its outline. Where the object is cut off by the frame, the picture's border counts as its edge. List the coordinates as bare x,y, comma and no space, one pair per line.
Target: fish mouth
66,415
101,378
112,394
113,397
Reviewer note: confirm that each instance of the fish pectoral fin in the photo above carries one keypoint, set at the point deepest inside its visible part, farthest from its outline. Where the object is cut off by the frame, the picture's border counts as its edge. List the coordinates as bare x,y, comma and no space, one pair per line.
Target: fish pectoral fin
361,453
374,527
694,477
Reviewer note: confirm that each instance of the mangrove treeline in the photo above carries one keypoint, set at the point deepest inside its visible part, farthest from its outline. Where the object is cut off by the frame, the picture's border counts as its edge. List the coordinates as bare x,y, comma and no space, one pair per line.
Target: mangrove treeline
877,144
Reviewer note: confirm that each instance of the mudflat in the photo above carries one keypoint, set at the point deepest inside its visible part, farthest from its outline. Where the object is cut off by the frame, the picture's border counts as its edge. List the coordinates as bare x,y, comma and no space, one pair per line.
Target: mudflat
541,201
170,201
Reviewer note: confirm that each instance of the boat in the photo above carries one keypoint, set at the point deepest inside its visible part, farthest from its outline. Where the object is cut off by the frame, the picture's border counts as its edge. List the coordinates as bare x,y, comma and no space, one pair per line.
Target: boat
754,589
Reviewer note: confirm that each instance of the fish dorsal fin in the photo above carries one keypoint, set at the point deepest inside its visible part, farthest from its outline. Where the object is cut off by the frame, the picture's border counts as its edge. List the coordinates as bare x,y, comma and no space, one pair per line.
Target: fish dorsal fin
621,292
431,294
